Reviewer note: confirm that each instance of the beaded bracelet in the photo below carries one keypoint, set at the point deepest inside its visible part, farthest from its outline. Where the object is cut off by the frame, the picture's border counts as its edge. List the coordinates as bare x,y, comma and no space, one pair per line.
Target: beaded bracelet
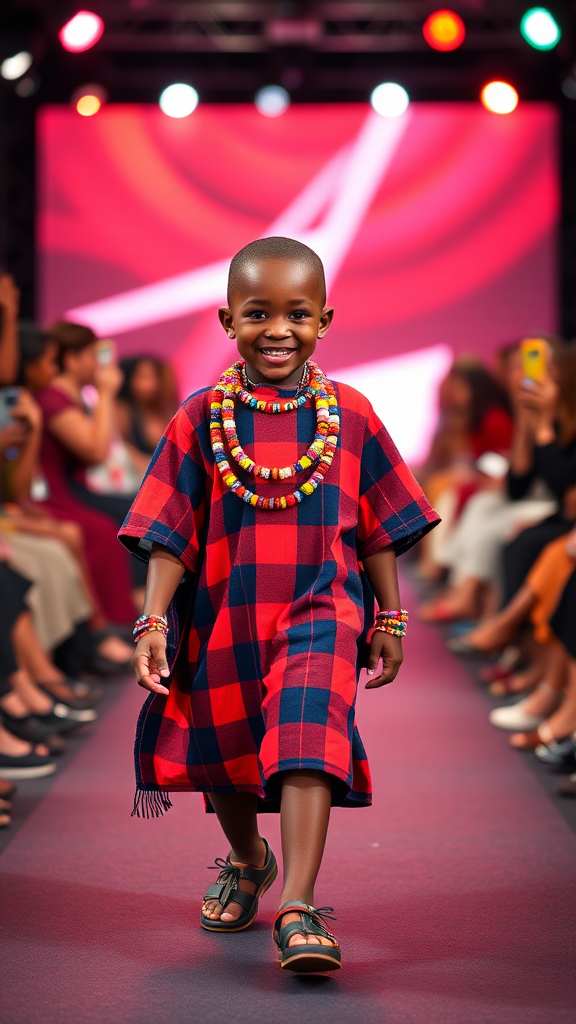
394,622
149,624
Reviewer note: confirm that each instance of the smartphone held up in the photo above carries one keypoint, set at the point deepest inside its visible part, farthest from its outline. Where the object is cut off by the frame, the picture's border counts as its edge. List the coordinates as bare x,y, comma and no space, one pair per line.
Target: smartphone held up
535,356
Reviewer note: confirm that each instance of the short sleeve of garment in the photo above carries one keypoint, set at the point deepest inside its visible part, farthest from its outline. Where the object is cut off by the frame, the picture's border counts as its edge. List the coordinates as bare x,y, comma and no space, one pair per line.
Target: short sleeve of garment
393,509
52,401
170,507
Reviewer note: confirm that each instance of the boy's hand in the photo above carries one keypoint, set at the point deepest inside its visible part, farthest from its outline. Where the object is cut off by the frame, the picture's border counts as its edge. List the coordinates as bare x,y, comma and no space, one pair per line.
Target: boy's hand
389,648
150,662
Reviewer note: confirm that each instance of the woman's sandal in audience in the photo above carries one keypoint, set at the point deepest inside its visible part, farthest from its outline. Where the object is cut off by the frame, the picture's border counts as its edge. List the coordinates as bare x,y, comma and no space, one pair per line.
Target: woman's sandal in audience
530,712
74,694
560,754
33,729
542,736
5,808
568,787
20,760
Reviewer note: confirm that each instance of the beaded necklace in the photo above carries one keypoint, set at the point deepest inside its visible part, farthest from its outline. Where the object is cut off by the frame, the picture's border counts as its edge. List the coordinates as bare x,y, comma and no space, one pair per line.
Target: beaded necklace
231,386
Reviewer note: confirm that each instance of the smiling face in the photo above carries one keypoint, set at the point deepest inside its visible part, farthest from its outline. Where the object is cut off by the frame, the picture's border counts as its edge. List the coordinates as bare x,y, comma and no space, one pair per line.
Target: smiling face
276,315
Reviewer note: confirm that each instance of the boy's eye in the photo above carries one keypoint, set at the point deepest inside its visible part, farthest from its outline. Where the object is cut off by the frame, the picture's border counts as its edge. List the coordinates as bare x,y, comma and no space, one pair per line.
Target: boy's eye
256,314
299,314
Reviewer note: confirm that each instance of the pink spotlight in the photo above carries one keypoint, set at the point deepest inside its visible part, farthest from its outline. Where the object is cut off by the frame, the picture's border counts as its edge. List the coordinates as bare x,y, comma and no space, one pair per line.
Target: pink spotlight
81,32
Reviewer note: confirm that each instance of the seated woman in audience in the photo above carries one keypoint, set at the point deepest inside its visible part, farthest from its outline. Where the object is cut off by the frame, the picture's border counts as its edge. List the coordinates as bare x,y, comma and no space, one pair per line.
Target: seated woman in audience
474,418
19,758
108,484
544,449
473,552
48,551
547,714
562,624
72,439
146,403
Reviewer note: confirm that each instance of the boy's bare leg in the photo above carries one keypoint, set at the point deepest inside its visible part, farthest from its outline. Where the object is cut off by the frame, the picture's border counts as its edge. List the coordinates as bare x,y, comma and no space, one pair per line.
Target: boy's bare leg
306,800
237,814
305,813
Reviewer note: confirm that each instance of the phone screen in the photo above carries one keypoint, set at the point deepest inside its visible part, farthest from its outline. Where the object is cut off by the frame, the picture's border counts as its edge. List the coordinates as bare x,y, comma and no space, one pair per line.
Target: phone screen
106,352
8,399
534,354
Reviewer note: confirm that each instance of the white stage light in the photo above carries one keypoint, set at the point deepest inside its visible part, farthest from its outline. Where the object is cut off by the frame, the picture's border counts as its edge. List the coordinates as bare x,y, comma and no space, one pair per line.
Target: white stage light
16,66
178,100
499,97
404,393
81,32
272,100
389,99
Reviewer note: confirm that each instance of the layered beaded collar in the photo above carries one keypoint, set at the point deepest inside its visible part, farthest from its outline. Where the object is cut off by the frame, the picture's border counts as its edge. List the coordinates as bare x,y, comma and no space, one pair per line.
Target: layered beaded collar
232,385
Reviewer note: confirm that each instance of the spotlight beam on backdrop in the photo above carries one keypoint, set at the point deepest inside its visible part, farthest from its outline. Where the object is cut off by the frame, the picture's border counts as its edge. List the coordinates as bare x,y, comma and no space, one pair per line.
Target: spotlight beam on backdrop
343,189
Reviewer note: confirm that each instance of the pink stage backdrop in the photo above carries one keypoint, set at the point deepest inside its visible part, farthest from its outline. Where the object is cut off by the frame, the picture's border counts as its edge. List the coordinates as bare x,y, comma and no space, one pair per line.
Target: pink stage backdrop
438,232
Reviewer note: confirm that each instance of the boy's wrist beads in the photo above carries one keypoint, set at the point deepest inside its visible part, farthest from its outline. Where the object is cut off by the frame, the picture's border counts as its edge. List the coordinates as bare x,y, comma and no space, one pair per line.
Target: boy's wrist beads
394,622
319,455
149,624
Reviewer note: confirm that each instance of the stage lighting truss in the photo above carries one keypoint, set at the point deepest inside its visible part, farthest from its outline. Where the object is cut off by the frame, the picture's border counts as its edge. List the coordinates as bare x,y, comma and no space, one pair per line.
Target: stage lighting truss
331,26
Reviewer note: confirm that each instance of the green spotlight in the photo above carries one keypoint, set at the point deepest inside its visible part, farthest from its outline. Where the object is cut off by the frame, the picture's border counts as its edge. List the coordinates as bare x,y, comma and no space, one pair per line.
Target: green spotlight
540,29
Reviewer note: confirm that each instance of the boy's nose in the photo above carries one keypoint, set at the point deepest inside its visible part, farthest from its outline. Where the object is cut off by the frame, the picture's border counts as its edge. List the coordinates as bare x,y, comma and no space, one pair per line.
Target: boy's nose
278,330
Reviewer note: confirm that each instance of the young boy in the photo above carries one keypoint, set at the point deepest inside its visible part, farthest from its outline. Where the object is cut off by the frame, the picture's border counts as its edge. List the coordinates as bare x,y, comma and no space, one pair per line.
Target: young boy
261,499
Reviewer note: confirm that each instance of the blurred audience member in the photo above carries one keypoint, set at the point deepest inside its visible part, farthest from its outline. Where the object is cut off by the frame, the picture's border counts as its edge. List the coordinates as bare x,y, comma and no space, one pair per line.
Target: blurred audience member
146,403
475,549
73,439
474,419
9,306
544,451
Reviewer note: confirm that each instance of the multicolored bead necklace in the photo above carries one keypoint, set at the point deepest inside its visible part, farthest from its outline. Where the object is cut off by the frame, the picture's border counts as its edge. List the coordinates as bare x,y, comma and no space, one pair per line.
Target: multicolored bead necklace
232,386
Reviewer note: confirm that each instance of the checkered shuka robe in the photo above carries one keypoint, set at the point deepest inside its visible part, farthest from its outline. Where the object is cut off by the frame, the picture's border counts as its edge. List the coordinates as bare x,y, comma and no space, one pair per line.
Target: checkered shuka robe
267,626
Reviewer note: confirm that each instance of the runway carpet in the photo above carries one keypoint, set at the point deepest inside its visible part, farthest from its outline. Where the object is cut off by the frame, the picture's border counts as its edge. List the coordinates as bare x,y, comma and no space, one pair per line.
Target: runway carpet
455,893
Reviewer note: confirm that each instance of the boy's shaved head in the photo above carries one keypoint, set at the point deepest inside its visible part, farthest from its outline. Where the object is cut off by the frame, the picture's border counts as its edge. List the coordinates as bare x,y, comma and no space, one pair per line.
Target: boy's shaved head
275,248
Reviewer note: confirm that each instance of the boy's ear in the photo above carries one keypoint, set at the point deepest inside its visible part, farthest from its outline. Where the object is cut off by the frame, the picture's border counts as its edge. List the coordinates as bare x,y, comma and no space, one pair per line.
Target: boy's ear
325,320
227,321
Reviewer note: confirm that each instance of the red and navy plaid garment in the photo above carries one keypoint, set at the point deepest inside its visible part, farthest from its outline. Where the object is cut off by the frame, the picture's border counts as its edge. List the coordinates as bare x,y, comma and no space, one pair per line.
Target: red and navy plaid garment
265,635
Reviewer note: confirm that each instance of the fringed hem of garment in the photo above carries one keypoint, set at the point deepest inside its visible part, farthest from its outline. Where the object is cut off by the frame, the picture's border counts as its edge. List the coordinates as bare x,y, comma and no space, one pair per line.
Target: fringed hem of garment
150,803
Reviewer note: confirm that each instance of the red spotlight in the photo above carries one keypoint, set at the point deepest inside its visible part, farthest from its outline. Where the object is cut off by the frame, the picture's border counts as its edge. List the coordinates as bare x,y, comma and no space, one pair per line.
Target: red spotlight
81,32
444,30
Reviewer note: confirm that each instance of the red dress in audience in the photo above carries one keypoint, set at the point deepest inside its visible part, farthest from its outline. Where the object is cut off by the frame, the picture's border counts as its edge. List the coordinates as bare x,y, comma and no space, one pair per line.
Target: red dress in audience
494,433
107,561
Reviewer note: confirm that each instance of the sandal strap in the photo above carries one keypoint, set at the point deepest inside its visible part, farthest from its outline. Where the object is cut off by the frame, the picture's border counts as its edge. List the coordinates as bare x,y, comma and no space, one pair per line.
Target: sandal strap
319,914
227,889
214,892
244,899
311,923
